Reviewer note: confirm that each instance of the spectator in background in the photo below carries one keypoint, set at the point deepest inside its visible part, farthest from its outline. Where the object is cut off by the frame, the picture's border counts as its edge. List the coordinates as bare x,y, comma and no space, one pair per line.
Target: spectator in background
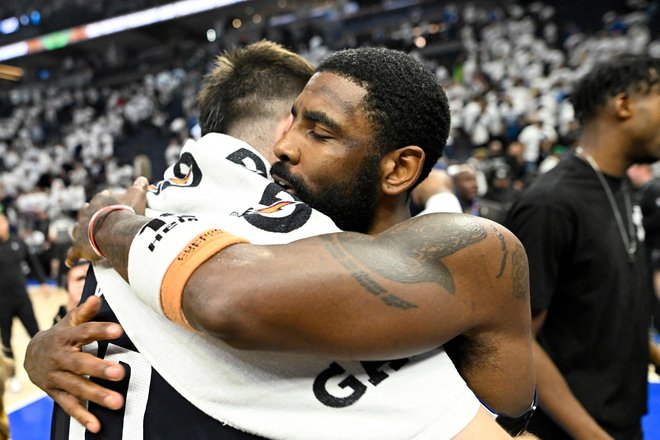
464,178
514,158
74,284
14,299
476,120
552,159
500,186
533,137
435,194
59,237
589,285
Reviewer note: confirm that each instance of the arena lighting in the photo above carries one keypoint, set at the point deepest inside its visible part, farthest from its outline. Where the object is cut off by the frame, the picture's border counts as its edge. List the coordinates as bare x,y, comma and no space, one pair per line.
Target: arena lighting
9,25
35,18
57,40
10,72
9,77
211,35
13,50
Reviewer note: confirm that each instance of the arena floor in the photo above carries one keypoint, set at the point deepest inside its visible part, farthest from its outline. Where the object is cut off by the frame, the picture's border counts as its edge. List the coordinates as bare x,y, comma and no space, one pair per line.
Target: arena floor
30,410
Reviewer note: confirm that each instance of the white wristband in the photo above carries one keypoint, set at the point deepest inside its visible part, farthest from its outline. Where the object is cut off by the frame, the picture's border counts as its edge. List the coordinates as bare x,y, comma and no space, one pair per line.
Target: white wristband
154,248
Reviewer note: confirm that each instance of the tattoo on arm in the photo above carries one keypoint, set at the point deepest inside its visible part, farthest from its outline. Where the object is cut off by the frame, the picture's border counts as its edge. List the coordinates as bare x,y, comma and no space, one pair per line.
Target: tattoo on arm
117,255
520,273
409,253
116,242
333,245
505,252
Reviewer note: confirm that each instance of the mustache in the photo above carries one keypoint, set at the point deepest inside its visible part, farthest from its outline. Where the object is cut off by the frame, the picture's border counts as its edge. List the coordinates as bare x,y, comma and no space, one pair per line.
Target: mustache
281,171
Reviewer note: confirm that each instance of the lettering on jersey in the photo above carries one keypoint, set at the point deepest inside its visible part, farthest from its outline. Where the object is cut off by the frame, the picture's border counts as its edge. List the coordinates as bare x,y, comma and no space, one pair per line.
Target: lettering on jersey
186,174
358,389
249,160
164,224
280,212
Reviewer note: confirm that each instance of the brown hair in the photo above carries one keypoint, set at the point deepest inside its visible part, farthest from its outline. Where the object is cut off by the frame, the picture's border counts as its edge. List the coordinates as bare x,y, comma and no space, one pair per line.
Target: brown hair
245,82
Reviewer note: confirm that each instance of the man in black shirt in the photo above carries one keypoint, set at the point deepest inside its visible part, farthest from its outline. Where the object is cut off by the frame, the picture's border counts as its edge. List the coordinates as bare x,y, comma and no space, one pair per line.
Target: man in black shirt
589,284
14,299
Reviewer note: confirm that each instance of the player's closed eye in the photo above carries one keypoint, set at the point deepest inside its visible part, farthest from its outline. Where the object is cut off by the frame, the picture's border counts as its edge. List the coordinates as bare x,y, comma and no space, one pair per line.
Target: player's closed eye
319,137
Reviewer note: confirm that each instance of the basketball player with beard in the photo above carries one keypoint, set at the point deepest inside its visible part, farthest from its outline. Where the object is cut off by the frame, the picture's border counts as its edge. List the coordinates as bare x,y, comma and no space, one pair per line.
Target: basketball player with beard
499,337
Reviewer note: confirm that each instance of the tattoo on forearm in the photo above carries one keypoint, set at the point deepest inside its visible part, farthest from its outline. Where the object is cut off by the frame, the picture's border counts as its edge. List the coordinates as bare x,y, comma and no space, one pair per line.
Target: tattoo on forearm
520,273
117,255
116,247
505,252
410,253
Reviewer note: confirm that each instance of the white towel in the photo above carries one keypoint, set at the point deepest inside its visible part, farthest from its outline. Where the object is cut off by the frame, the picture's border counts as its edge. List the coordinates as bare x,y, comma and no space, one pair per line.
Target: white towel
278,395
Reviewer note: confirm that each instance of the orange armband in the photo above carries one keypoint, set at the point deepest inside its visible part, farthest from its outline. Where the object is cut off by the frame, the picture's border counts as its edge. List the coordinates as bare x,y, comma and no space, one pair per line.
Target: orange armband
200,249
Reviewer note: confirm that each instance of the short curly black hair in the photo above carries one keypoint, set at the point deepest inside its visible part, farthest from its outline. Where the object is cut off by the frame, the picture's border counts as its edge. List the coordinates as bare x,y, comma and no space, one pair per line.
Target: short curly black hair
621,74
405,102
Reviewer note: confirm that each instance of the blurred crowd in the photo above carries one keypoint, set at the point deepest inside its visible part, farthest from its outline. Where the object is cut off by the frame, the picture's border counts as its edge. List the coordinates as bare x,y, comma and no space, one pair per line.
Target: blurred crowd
508,89
47,16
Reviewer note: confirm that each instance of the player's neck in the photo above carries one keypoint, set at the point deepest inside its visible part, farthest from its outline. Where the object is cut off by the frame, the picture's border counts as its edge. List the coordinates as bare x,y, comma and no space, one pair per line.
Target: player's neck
606,150
388,215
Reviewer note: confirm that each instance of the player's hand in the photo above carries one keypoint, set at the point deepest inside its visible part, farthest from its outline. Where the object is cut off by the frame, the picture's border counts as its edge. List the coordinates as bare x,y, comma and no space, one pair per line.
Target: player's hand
135,197
55,363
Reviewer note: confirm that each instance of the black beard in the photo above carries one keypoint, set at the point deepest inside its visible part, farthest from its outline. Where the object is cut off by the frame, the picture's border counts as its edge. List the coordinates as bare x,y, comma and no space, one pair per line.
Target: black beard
350,203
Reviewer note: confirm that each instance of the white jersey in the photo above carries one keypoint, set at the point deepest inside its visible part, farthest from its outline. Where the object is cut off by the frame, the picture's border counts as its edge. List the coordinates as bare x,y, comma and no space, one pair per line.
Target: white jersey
273,395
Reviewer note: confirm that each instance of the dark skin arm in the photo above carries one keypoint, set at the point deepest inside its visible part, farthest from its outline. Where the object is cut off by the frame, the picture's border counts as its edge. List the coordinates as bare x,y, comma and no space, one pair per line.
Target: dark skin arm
397,290
396,294
407,290
406,281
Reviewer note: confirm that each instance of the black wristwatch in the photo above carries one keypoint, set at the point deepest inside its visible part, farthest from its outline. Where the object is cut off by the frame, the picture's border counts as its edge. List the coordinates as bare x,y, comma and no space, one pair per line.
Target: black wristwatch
517,425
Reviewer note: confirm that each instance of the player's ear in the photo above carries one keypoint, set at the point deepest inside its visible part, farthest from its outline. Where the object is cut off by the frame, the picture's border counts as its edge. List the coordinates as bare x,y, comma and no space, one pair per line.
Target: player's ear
622,106
400,169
